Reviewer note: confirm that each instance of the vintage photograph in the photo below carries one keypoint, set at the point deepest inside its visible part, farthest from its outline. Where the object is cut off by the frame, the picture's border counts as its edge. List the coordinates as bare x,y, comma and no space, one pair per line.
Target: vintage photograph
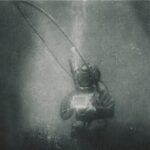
75,75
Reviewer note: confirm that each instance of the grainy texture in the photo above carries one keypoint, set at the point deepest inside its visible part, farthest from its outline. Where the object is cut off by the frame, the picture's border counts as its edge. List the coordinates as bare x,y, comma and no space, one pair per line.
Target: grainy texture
113,35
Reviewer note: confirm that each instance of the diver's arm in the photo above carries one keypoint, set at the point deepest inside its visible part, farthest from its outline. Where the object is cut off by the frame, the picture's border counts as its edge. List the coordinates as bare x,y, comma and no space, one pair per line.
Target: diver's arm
105,104
105,111
65,109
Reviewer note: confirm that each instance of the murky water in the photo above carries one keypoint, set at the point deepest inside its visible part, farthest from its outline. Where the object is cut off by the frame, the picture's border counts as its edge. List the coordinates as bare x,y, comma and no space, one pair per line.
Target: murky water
113,35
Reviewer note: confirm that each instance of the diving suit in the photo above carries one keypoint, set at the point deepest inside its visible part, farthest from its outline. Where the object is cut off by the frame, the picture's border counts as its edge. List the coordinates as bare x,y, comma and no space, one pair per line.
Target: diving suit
90,104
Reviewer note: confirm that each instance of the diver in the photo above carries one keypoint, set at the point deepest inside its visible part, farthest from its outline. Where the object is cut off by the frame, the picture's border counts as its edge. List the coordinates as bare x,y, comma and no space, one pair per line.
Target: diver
90,103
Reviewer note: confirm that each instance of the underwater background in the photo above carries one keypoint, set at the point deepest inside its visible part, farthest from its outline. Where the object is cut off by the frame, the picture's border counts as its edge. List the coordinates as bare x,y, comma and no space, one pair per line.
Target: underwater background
114,35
